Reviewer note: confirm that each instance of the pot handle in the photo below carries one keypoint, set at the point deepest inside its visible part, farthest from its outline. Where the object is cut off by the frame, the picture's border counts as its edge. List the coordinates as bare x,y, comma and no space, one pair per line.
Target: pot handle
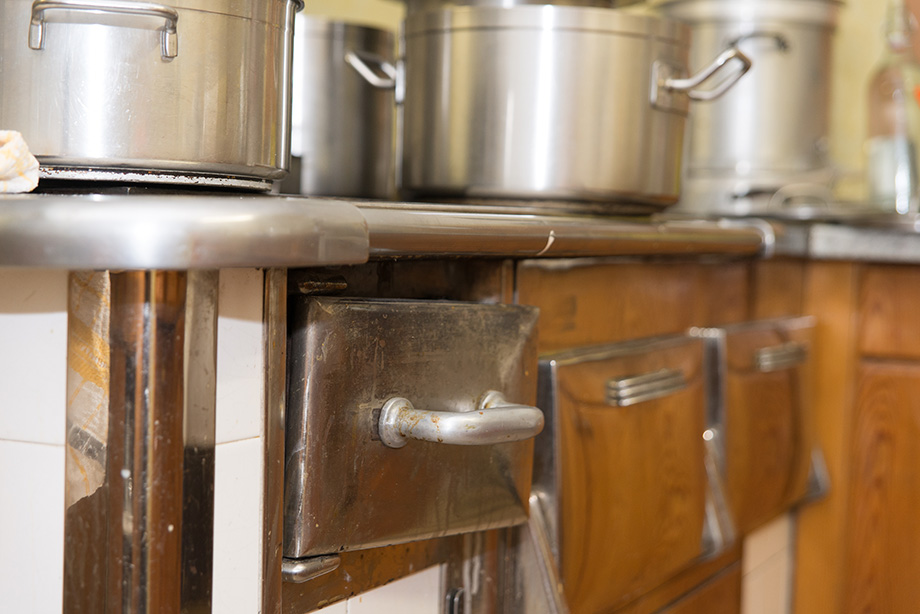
690,84
778,38
494,421
370,65
169,37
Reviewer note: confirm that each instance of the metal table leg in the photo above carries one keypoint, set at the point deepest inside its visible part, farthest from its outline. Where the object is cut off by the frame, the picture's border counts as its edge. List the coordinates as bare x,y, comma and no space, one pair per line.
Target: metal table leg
140,489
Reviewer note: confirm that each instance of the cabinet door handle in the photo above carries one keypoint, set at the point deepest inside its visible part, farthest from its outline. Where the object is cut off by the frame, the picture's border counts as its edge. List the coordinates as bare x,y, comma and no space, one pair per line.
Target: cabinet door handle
494,421
637,389
779,357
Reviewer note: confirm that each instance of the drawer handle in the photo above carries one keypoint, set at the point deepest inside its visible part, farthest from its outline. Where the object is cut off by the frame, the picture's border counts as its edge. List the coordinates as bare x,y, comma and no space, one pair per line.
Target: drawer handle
780,357
169,44
637,389
495,421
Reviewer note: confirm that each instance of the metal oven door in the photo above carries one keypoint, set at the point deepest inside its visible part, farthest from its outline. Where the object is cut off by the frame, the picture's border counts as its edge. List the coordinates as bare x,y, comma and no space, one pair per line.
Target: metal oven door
406,420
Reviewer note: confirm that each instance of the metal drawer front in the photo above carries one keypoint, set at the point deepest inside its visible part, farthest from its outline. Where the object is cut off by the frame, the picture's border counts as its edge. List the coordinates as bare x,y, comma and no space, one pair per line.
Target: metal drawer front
406,420
623,464
760,404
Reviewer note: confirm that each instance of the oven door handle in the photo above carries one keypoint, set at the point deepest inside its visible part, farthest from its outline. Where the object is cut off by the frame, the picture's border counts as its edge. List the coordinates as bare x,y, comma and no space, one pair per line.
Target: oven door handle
495,421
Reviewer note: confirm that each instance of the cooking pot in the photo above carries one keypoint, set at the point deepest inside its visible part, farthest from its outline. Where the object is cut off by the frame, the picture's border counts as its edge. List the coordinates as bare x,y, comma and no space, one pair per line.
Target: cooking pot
342,123
194,91
549,102
772,129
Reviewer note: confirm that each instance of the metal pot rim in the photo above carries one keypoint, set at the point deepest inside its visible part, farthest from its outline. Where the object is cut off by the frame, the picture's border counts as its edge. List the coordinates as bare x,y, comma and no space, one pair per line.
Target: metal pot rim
547,18
813,12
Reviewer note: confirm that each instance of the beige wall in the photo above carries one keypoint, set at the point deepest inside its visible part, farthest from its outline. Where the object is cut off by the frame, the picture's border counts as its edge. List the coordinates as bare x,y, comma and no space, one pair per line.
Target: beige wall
377,13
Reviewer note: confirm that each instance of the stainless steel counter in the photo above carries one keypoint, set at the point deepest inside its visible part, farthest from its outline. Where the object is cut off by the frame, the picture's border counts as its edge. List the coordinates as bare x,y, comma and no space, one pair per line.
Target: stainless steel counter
212,232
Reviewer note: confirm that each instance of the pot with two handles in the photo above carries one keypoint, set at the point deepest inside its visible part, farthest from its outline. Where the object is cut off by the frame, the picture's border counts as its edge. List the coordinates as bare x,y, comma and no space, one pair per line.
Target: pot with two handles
189,92
550,103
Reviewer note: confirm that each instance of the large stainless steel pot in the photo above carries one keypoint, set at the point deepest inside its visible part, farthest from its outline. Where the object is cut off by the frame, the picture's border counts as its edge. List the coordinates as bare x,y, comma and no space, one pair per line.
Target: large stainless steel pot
342,123
194,91
772,129
548,102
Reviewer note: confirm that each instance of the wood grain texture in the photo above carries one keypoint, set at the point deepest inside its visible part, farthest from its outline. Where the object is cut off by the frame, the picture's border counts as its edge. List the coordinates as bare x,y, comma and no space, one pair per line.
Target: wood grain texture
821,544
685,583
723,293
884,558
777,289
768,427
633,481
889,306
608,302
720,595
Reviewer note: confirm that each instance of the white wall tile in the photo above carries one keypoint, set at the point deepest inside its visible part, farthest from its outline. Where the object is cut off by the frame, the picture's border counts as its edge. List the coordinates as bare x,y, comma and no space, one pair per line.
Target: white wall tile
238,527
767,565
31,527
239,355
336,608
33,355
419,593
766,542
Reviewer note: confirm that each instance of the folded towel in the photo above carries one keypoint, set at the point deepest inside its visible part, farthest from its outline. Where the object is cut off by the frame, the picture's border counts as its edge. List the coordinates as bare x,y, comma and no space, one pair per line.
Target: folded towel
18,167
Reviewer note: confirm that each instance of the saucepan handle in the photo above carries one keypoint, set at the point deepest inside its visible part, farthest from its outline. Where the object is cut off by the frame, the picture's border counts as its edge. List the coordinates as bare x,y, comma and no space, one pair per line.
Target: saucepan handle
169,37
720,64
495,421
370,66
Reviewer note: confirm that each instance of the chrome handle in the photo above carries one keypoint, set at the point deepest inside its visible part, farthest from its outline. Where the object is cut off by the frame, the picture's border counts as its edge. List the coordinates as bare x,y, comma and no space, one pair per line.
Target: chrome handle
719,531
782,43
301,570
689,84
633,390
780,357
169,37
495,421
364,63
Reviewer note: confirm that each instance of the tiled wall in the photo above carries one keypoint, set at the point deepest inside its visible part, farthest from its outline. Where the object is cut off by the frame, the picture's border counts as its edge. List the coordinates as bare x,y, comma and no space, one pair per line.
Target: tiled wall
767,567
33,385
419,593
33,379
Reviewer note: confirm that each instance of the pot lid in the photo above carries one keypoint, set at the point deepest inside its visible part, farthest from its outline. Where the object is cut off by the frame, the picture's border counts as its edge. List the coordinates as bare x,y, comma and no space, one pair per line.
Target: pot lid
547,17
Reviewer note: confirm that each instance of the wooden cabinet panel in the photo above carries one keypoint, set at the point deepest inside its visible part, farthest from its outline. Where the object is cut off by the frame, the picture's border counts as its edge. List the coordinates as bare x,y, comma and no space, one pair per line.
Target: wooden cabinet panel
884,548
777,289
606,303
768,430
821,529
889,307
632,479
721,595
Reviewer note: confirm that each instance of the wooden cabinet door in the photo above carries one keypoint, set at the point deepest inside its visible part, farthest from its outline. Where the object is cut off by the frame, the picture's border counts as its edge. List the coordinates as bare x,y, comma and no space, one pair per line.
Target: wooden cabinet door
632,483
767,421
884,508
720,595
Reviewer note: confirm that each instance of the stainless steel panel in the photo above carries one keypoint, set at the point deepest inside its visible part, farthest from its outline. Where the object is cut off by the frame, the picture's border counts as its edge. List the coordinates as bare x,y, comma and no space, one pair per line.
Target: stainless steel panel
177,232
107,84
344,488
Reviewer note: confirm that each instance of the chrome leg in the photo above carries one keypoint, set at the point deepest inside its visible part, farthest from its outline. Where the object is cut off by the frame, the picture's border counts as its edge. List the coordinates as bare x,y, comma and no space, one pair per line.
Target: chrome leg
275,349
140,538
